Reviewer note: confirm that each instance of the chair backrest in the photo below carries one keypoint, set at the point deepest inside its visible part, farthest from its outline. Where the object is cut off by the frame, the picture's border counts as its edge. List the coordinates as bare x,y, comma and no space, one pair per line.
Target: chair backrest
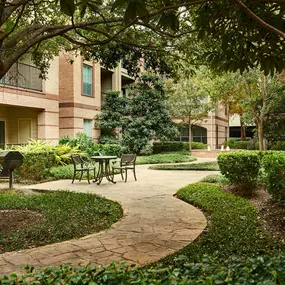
76,159
129,158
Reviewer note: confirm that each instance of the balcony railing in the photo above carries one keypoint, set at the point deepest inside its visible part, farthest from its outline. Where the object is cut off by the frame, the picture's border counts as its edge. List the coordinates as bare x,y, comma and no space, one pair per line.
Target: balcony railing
24,76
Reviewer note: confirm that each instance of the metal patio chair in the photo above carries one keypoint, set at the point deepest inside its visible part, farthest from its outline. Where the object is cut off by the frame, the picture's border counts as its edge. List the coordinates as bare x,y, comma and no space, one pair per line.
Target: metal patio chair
127,162
80,165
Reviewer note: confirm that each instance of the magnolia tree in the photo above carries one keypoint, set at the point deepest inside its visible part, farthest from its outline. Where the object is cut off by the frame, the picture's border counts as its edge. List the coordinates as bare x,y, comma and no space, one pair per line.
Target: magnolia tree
142,115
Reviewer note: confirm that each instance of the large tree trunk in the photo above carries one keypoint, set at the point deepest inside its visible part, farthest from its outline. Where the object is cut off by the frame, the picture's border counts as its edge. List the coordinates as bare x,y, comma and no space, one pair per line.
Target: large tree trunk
242,130
260,134
190,137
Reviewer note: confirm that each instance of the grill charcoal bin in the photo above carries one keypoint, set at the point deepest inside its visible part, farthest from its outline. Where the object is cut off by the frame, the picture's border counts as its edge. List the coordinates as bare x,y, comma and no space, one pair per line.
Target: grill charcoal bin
11,160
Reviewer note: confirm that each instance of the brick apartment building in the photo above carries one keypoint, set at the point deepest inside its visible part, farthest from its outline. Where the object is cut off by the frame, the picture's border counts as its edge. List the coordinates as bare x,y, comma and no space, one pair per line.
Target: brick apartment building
67,101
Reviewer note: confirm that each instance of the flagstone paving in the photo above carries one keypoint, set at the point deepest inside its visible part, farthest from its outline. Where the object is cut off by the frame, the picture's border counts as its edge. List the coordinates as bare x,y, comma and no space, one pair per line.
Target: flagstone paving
154,224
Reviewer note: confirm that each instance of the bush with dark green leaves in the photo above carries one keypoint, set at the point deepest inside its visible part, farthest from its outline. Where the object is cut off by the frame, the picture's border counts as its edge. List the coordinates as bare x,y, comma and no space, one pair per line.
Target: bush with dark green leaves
279,145
159,147
256,271
274,173
66,215
241,169
235,143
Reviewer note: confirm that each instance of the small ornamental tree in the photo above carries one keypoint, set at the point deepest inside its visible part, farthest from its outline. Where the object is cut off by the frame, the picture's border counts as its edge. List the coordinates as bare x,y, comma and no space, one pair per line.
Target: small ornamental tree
188,100
149,117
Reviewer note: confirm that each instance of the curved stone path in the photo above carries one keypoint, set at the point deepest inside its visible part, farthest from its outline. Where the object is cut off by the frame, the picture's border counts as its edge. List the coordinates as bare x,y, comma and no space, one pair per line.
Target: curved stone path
154,225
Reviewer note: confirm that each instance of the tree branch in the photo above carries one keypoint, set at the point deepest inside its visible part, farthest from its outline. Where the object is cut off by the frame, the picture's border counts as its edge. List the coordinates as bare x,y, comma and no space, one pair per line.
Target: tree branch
259,20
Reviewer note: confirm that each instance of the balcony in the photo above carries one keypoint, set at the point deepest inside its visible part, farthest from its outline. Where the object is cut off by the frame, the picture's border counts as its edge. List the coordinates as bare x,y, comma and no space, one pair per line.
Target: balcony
24,76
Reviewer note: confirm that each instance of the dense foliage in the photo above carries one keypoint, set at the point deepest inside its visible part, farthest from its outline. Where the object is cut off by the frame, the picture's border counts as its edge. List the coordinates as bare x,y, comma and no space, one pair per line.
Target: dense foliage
212,166
233,227
255,271
159,147
166,158
86,145
41,155
274,171
248,143
142,115
67,215
241,169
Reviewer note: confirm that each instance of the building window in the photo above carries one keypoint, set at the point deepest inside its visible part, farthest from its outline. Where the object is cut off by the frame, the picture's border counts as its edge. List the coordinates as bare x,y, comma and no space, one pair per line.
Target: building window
199,134
87,127
226,133
87,80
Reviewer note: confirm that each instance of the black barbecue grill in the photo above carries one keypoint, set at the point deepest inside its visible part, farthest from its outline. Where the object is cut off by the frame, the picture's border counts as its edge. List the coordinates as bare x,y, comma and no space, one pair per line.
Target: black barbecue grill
10,160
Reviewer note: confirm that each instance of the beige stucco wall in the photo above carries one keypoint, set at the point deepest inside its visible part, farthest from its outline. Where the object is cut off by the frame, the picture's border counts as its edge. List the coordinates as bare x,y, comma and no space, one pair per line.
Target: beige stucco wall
42,107
11,116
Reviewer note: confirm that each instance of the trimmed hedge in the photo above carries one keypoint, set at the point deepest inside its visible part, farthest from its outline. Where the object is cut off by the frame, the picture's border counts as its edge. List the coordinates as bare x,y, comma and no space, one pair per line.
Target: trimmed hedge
241,168
235,143
255,271
159,147
279,145
274,172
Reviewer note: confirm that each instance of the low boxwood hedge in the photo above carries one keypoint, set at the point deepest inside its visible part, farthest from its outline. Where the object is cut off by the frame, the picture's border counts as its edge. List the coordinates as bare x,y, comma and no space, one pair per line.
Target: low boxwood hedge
241,168
159,147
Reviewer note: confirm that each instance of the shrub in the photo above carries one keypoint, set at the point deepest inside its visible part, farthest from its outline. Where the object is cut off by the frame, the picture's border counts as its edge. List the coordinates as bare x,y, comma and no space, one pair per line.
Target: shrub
274,170
41,155
198,145
235,143
35,165
110,149
241,168
159,147
255,271
279,145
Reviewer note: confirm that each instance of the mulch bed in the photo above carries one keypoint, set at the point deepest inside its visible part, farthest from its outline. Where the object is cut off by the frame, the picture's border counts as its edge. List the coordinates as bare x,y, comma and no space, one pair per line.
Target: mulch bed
271,213
13,220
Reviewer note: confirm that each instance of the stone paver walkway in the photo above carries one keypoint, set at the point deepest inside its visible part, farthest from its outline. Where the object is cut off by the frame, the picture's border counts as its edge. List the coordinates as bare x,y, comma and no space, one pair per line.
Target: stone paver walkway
154,225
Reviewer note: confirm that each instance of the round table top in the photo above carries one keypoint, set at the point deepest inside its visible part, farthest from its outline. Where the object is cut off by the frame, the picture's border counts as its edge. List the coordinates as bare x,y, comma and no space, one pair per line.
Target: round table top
103,157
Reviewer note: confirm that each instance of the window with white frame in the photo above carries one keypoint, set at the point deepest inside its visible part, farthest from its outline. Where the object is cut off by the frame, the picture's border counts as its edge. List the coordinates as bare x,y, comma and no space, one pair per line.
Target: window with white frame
87,127
87,75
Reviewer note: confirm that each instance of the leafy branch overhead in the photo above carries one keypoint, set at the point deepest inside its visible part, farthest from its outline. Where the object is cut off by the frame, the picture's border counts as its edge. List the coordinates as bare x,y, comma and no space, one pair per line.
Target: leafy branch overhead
230,35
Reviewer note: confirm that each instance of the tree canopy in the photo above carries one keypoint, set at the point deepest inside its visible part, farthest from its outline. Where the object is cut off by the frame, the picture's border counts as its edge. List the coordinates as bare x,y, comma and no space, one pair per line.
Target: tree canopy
226,35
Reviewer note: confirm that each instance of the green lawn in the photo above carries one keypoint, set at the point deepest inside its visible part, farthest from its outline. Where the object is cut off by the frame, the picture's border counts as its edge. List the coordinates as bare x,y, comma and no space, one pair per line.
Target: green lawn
170,157
213,166
67,215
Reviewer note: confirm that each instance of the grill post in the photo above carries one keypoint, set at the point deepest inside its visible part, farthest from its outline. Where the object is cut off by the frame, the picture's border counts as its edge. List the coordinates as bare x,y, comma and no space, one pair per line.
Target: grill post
10,179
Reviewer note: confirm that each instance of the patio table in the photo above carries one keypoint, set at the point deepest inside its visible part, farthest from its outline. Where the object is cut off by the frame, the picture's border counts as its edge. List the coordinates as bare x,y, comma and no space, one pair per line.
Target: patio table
104,169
